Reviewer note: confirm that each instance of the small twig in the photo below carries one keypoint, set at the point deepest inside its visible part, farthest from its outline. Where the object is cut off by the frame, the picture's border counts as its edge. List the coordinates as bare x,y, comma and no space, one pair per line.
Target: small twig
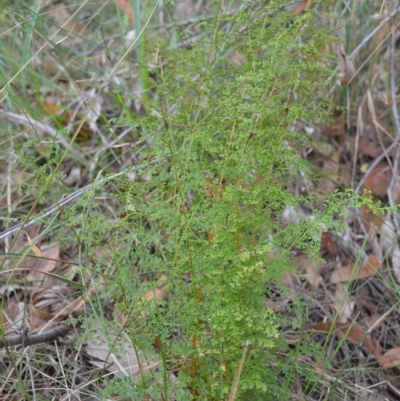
25,339
359,129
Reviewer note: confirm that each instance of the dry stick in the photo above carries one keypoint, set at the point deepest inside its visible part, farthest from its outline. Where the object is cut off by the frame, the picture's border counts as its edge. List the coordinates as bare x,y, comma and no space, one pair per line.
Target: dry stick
359,129
395,112
26,339
238,374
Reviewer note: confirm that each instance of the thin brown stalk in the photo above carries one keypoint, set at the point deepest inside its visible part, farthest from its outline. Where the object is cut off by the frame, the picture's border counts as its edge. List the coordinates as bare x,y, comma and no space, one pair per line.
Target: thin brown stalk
238,374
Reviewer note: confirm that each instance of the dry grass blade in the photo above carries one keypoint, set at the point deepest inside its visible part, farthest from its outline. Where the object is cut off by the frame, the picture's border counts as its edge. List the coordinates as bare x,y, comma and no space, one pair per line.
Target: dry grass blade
238,374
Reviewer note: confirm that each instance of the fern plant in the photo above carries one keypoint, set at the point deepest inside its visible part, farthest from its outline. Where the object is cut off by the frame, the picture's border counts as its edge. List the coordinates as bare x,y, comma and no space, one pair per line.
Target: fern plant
207,218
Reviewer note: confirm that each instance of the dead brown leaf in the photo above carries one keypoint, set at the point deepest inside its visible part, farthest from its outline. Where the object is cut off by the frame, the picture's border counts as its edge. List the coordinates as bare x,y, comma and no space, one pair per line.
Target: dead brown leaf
312,275
64,19
344,304
302,6
55,303
328,244
46,263
126,7
379,179
237,57
371,220
158,294
369,305
33,246
390,359
292,338
19,242
331,170
354,271
14,316
64,116
338,126
353,333
370,148
346,67
323,326
357,335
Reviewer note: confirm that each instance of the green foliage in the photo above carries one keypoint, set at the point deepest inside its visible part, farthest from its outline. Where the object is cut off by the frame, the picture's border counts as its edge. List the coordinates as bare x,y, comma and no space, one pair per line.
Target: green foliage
209,215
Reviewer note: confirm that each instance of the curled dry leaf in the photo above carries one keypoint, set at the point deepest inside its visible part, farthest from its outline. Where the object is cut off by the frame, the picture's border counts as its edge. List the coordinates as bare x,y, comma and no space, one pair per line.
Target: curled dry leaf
19,242
323,148
157,295
371,220
14,317
337,126
33,246
312,274
370,148
331,169
127,8
46,263
74,176
292,338
352,333
370,306
328,244
64,19
344,304
379,179
388,237
302,6
355,271
52,303
390,359
116,354
357,335
346,67
64,117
